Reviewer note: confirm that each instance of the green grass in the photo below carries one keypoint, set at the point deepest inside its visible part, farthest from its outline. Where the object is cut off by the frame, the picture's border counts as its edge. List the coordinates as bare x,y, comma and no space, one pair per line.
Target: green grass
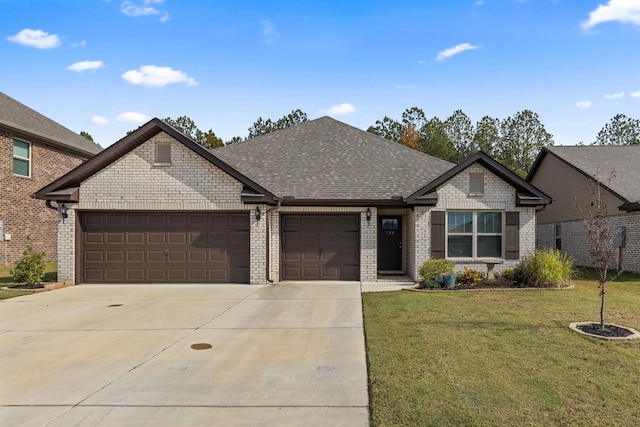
502,358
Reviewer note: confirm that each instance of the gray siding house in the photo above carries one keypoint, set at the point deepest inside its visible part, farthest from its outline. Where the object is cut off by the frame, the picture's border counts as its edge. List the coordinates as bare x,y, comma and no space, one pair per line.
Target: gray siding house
565,173
318,201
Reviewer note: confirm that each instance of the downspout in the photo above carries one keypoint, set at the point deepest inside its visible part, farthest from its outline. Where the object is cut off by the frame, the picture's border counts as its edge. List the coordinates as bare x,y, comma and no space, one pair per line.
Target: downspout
271,209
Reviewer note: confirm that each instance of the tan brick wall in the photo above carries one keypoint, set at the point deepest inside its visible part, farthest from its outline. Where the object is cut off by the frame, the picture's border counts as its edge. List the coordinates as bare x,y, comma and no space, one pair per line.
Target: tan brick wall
576,243
21,214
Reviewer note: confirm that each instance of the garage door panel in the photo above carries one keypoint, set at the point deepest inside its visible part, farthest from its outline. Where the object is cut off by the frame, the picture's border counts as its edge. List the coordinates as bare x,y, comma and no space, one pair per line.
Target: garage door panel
165,247
320,247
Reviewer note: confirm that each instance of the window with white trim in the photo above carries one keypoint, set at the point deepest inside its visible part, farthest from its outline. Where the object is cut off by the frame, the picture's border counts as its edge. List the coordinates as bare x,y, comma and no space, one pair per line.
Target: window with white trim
474,234
21,158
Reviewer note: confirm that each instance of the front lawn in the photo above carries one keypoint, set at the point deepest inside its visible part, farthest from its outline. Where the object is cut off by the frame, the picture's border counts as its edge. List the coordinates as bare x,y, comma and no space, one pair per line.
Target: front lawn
502,357
50,275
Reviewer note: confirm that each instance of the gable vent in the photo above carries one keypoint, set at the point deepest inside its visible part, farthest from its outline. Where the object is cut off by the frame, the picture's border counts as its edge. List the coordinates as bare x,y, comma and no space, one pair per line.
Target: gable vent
163,153
476,183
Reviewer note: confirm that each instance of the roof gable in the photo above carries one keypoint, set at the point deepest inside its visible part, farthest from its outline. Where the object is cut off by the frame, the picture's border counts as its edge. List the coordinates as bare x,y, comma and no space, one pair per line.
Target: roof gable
255,192
526,194
327,160
19,118
615,165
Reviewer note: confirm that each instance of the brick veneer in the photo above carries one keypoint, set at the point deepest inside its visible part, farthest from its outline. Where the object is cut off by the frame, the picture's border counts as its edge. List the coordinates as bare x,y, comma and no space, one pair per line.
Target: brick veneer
21,214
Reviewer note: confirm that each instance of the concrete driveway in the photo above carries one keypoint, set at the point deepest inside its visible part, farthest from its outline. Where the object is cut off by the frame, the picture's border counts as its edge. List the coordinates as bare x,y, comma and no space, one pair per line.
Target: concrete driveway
116,355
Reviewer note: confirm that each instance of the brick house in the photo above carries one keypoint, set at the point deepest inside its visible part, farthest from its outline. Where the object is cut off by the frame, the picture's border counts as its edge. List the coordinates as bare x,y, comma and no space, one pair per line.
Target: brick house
34,150
318,201
564,173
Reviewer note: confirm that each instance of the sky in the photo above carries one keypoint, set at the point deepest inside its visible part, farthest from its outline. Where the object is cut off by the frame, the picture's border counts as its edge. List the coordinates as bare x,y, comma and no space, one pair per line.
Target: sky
106,67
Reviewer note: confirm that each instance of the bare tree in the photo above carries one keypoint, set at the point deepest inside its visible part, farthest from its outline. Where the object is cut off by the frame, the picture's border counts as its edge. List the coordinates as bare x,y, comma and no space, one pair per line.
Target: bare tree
600,233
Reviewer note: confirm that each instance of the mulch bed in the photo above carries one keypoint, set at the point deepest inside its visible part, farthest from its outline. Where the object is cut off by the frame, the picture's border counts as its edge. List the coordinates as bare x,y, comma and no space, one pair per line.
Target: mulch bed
610,331
497,284
27,287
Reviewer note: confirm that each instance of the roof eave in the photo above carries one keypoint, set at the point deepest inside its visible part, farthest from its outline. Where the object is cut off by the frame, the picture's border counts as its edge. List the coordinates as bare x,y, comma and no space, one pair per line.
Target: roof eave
55,142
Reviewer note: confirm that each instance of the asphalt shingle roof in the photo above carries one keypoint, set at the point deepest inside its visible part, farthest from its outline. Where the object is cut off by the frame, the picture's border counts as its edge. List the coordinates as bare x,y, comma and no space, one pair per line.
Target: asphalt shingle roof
19,117
326,159
622,162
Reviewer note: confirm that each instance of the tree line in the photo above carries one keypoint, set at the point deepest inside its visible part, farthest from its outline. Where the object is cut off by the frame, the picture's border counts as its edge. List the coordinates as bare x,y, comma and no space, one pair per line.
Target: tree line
515,141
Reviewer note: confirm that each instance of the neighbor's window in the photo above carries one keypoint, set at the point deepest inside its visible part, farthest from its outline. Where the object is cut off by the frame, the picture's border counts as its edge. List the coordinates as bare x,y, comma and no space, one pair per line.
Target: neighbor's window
474,234
559,237
21,158
163,153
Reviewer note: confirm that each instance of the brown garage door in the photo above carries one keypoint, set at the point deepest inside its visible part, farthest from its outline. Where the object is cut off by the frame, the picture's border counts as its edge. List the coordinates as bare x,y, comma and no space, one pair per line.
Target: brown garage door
127,247
320,247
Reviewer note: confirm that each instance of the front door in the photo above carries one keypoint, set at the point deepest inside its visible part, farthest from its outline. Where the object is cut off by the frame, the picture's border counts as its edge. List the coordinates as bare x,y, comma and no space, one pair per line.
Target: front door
389,243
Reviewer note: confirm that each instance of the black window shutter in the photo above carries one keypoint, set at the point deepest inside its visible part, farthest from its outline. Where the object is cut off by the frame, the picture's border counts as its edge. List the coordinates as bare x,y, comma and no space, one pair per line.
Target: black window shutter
438,234
512,231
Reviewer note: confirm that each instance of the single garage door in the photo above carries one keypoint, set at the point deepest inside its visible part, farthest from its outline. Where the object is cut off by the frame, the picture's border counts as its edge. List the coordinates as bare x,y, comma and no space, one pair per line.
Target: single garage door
159,247
320,247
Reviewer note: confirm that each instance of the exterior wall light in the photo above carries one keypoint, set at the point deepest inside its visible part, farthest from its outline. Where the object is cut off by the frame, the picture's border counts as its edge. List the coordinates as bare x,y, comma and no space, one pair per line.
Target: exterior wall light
63,212
258,213
368,214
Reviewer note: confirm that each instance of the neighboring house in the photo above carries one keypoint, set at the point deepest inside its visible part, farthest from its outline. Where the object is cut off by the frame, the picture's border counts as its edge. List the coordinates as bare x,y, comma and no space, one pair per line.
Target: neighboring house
565,174
318,201
34,150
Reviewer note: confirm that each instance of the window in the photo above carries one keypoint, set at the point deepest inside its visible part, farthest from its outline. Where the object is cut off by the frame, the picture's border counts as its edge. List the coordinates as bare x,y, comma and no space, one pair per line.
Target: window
472,234
476,183
163,153
389,223
21,158
559,237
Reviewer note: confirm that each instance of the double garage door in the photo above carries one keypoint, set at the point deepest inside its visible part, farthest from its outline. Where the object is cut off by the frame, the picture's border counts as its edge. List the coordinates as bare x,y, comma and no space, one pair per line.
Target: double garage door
320,247
127,247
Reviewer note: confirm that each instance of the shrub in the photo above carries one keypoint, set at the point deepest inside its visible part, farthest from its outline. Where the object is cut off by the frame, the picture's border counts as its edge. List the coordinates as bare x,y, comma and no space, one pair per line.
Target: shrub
470,277
508,275
433,269
545,268
30,268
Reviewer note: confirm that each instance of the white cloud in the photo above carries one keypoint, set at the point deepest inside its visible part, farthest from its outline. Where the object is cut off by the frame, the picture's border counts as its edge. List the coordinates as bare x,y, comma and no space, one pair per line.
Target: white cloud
136,9
338,110
154,76
635,94
85,66
614,95
83,43
36,38
421,62
132,117
448,53
584,104
623,11
99,120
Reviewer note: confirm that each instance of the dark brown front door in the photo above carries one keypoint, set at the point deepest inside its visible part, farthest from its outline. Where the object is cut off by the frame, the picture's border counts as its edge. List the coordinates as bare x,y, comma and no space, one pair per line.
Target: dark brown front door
389,243
159,247
320,247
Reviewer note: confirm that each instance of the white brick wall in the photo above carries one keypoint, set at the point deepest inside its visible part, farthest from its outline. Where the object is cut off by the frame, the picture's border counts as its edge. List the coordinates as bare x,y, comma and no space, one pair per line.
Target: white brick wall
190,183
454,194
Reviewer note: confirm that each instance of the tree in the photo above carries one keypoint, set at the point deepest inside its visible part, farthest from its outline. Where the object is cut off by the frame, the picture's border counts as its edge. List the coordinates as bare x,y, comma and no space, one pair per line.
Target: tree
600,234
487,135
387,128
263,127
188,127
86,135
233,140
459,130
435,142
621,130
523,136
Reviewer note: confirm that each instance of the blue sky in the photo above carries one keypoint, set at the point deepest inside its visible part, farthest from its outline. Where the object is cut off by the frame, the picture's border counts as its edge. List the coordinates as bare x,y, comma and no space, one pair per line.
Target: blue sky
107,66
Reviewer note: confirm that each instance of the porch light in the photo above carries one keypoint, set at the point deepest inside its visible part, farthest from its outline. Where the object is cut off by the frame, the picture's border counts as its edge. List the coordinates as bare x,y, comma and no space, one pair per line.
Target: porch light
368,214
63,211
258,213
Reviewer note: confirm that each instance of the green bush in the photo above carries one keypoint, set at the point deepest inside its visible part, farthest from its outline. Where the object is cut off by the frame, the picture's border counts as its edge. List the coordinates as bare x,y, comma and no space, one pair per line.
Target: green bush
470,277
545,268
30,268
433,269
